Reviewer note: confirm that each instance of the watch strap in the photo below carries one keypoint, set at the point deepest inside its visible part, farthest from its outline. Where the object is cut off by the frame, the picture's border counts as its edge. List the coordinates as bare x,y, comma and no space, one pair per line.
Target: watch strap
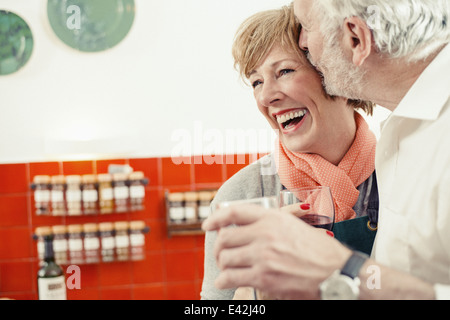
353,265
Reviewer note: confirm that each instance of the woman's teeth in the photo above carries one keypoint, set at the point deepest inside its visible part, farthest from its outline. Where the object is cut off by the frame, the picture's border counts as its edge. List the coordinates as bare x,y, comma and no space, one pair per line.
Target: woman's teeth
290,116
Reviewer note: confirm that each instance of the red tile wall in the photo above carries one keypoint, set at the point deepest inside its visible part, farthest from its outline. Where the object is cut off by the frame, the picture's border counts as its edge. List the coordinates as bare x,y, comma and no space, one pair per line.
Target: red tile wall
173,268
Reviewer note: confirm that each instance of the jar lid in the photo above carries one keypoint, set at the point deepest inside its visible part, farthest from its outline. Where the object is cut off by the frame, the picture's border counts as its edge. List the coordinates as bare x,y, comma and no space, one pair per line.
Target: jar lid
89,178
104,177
73,179
43,231
106,226
176,197
59,229
205,195
120,176
90,227
121,225
190,196
137,225
74,228
136,175
58,179
42,179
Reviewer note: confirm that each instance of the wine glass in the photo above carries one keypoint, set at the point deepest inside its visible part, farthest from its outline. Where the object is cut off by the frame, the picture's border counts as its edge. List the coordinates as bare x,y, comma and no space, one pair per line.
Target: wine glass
265,202
314,205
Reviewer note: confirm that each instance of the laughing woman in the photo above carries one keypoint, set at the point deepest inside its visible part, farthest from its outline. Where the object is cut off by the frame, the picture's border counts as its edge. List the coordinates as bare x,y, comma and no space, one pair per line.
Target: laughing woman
323,140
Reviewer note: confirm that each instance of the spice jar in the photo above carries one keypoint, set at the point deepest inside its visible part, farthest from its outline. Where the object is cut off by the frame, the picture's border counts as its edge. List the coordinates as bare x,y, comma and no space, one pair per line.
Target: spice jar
91,243
73,195
40,233
107,241
75,243
105,193
57,195
42,194
121,192
122,241
191,206
204,209
176,207
60,245
137,240
137,190
89,194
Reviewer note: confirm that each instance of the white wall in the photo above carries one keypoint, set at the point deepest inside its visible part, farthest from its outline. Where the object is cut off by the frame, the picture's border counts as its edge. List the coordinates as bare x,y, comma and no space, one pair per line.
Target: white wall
171,78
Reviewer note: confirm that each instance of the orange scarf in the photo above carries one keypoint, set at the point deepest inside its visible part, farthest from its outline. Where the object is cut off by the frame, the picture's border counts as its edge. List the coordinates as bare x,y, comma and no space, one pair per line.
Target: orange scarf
297,170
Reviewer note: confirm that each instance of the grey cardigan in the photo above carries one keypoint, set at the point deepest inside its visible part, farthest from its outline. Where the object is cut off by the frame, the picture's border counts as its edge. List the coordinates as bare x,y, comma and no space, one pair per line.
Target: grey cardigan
254,181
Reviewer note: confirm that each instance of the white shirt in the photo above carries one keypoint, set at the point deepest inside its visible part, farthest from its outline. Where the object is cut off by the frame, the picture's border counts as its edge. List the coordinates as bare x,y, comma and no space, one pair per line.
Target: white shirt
413,171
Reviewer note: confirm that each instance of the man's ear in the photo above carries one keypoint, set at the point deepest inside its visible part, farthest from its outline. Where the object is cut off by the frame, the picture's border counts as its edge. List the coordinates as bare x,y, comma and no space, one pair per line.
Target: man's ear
358,39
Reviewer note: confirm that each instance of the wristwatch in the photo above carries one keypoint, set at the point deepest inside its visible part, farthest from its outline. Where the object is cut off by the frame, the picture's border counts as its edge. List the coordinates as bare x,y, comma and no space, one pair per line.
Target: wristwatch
344,284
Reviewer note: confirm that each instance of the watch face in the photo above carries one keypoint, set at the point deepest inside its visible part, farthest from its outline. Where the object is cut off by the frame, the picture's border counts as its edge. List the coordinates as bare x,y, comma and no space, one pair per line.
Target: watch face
340,287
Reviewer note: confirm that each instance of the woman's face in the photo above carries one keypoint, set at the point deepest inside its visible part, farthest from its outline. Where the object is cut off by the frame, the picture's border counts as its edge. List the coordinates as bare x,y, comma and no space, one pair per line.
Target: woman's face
289,93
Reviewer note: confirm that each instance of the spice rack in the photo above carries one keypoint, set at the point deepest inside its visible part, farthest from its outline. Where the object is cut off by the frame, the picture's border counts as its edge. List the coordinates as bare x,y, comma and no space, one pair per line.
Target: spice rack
185,211
78,195
93,243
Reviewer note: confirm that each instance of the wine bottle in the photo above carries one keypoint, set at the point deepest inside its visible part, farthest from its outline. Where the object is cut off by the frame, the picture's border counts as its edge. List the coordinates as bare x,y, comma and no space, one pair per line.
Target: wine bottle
50,277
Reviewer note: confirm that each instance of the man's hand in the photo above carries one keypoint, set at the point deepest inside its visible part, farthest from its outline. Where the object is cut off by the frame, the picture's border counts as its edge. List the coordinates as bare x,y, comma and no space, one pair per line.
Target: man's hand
272,251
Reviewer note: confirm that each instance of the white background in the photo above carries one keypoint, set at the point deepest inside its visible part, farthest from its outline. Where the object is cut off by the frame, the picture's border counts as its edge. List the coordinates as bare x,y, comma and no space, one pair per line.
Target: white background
171,77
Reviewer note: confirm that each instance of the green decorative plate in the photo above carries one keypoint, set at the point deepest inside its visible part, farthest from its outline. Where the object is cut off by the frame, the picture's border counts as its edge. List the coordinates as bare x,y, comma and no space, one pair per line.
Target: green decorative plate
16,42
91,25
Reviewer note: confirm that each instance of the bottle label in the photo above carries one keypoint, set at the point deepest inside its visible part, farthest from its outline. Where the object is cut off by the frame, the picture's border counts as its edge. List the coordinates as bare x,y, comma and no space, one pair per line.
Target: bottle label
177,213
137,192
57,196
73,195
90,195
52,288
60,245
190,213
42,196
122,241
203,212
91,243
121,192
108,243
107,194
137,239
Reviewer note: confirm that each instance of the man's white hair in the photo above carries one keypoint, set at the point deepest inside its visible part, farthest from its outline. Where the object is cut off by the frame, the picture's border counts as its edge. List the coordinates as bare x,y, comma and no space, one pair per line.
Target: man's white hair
401,28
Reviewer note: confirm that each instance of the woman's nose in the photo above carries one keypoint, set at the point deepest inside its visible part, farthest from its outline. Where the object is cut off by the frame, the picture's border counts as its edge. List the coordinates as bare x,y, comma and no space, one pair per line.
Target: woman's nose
269,94
303,40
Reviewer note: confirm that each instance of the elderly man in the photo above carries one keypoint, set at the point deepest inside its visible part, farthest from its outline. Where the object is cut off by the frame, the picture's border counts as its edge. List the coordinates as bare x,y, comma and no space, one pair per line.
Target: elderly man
396,54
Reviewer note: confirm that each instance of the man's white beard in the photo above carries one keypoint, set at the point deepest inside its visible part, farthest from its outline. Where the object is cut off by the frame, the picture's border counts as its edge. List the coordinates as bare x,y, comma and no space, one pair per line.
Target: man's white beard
340,76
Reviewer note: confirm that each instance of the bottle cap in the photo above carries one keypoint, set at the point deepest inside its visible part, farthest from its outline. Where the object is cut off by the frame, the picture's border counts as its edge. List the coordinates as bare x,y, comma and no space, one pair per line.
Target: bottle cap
74,228
59,179
89,178
43,231
136,175
59,229
120,176
176,197
106,226
90,227
137,225
205,195
73,179
190,196
41,179
121,225
104,177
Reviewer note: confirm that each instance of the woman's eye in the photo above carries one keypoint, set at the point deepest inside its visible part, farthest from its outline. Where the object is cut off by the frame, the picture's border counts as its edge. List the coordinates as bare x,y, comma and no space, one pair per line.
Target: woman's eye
256,83
286,71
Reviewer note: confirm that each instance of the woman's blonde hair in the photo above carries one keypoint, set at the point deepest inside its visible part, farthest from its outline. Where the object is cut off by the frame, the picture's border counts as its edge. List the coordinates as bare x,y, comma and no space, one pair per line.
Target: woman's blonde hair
257,36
